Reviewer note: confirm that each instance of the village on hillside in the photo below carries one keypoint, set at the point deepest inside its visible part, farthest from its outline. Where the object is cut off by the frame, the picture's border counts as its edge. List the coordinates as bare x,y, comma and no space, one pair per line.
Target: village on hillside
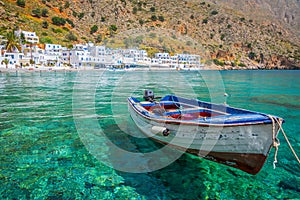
30,54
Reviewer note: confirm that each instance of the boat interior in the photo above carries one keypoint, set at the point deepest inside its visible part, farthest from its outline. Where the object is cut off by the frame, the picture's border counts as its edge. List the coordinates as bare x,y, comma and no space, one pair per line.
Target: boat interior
179,110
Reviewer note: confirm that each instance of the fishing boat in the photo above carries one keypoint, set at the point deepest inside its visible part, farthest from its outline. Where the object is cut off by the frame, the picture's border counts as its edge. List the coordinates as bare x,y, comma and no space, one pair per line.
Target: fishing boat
232,136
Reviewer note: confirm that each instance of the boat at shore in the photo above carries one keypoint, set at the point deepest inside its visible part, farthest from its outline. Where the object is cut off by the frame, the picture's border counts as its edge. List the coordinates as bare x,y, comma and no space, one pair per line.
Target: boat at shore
232,136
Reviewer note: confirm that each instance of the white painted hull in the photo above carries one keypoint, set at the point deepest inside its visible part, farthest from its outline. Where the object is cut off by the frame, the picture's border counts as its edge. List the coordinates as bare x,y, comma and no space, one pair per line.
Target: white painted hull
245,147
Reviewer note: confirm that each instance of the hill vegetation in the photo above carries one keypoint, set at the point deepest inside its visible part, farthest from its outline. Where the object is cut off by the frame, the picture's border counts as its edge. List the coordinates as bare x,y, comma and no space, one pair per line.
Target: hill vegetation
222,32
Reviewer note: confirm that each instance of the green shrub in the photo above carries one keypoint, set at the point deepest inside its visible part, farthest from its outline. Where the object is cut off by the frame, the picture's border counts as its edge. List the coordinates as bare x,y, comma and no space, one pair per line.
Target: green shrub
71,37
204,21
214,12
252,55
141,22
21,3
67,5
161,18
134,10
222,36
218,62
46,40
241,65
44,12
94,29
153,18
99,38
113,28
152,9
81,15
58,30
58,21
37,12
70,22
45,24
74,13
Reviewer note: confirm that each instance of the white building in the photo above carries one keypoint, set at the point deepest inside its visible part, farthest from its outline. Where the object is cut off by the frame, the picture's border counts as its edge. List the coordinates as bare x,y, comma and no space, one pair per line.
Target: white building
136,54
15,59
97,51
163,58
53,49
30,37
188,59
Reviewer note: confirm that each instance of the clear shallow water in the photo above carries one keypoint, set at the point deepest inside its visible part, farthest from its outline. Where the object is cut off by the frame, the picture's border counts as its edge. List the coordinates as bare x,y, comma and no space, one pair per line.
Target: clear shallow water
44,156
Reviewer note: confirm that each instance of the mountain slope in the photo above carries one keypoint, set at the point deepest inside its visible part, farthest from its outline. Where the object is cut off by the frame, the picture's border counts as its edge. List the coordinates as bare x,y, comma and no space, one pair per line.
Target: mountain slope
255,33
286,12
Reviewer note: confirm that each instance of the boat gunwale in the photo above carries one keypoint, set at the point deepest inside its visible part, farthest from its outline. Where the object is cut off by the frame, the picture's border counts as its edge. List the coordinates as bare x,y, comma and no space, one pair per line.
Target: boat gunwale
195,123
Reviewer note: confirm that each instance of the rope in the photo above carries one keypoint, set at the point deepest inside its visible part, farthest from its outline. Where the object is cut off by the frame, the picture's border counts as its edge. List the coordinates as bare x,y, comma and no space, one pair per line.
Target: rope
276,141
287,140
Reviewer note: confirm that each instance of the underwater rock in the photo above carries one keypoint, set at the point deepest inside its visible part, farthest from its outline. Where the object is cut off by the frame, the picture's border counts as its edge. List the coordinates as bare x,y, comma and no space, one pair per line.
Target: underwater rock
291,184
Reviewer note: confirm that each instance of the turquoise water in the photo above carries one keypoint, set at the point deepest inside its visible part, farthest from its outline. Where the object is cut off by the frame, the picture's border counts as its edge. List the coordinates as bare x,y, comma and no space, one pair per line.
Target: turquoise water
52,145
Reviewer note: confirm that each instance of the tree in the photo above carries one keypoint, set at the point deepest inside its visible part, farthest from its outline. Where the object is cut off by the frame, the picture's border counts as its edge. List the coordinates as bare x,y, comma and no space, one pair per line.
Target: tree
12,42
153,18
32,62
70,47
22,39
21,3
58,21
99,38
37,12
5,61
152,9
113,28
94,29
134,10
161,18
71,37
45,24
214,12
81,15
141,22
93,14
252,55
44,12
67,5
70,22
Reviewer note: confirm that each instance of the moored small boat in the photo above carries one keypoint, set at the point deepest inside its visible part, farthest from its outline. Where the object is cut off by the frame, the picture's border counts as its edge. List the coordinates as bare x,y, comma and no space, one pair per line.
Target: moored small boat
235,137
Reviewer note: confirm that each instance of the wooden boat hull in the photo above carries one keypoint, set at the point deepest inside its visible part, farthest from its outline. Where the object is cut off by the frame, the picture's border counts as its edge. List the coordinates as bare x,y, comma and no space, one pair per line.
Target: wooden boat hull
242,146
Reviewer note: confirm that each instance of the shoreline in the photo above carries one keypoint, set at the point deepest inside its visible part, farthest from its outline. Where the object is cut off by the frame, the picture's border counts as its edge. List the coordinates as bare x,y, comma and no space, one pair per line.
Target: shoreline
35,70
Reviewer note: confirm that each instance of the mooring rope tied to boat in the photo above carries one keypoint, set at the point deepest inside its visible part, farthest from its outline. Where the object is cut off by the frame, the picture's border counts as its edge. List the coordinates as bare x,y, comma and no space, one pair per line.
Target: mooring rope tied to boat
276,142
